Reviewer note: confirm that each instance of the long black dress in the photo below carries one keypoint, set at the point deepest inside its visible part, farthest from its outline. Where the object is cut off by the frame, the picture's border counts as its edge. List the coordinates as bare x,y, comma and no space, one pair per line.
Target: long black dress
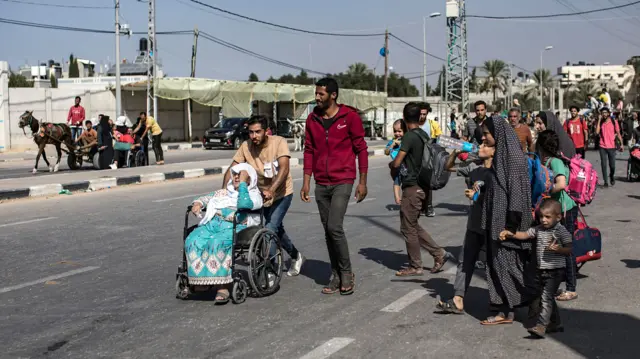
105,138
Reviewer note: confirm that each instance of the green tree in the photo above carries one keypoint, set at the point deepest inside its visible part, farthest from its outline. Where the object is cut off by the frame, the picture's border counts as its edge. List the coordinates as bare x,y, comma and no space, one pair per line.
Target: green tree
541,76
74,70
473,81
438,90
578,92
253,77
17,80
496,77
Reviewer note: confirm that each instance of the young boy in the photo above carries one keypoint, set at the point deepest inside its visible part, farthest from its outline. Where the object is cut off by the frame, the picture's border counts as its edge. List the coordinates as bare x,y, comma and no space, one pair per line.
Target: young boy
392,149
553,243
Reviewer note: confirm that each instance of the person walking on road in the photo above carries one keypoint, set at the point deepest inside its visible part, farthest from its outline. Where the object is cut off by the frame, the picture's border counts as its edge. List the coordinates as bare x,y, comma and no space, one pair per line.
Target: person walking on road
151,125
425,124
334,137
75,119
609,131
269,156
413,196
576,128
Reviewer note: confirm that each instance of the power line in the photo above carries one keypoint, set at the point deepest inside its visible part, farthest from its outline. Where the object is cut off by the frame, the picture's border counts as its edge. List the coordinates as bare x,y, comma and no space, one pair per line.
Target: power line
416,48
257,55
85,30
22,2
552,15
282,26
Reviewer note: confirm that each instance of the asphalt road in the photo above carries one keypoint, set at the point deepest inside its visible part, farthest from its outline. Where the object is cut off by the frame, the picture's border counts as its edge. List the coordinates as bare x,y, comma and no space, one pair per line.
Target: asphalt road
16,169
92,275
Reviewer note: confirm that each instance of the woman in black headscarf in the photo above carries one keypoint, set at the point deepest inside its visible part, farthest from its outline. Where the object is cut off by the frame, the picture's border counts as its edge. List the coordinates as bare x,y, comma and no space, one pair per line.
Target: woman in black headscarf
105,143
546,120
507,205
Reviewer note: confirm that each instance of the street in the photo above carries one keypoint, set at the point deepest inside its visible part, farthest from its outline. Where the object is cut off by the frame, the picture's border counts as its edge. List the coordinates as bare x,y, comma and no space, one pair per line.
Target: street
93,275
22,168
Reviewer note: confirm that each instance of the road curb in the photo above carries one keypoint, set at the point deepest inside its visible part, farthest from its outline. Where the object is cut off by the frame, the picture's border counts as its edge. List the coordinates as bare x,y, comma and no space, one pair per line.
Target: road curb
53,189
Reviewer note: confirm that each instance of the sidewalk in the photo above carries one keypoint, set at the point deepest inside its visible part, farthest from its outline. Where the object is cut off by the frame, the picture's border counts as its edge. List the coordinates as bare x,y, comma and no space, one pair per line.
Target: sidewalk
92,180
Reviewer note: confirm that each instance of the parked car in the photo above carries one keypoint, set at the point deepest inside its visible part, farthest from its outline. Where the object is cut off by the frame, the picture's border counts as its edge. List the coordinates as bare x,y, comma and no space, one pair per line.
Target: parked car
229,133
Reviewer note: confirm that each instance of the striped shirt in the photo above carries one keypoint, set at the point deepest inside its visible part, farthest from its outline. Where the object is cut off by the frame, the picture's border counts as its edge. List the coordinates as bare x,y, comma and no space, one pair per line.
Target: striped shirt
544,237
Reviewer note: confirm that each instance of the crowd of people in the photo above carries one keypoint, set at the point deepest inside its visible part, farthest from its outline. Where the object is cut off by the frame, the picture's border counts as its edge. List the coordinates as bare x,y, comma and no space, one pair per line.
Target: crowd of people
527,246
116,142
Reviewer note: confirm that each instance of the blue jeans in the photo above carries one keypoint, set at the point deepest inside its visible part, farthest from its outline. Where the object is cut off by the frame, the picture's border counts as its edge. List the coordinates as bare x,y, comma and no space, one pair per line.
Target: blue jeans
273,217
76,132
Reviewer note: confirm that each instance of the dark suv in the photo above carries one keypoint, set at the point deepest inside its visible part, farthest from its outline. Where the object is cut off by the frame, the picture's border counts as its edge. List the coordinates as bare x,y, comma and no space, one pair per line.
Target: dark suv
229,132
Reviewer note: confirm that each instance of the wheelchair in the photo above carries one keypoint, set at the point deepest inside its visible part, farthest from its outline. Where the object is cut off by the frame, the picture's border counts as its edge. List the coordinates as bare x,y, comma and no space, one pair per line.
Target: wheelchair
252,246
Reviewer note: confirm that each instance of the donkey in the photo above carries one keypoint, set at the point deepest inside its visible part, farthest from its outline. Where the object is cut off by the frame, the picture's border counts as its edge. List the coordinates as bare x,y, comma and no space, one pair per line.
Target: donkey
297,130
45,133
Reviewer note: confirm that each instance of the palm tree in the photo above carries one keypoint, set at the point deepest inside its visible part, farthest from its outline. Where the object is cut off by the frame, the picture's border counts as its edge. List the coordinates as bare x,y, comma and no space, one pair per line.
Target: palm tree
577,93
633,79
496,77
540,76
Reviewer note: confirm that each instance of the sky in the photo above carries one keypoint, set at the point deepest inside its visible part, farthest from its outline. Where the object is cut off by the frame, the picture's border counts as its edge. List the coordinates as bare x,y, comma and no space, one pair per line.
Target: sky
574,39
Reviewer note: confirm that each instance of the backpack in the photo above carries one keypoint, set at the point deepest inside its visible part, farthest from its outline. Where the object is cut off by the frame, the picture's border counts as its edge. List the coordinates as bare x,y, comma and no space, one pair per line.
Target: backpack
583,125
432,174
540,177
583,180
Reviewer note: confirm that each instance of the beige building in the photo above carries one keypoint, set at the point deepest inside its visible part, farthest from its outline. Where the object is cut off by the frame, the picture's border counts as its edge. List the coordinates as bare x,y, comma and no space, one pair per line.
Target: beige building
605,75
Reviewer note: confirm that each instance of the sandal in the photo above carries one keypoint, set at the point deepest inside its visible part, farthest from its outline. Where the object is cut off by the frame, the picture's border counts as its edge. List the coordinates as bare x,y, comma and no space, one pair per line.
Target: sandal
409,272
449,307
334,285
567,296
498,319
350,280
222,297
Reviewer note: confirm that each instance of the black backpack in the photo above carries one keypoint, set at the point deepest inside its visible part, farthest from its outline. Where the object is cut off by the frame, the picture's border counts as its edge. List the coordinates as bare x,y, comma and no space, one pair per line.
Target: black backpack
432,174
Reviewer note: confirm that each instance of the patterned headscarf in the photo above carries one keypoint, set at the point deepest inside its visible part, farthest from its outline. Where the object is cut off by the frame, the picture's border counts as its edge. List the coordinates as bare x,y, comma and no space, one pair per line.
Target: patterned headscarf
551,122
510,191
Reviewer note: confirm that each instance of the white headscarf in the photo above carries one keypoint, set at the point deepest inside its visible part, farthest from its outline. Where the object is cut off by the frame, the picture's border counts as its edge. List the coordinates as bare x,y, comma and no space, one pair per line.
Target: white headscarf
123,121
228,198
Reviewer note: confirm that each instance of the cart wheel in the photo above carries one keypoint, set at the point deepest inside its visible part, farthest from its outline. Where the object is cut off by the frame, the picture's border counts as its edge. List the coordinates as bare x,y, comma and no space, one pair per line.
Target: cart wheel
239,291
182,287
72,161
96,160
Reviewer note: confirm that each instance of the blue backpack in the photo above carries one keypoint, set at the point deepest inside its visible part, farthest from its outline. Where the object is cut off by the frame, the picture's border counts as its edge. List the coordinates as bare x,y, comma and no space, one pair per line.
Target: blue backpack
541,179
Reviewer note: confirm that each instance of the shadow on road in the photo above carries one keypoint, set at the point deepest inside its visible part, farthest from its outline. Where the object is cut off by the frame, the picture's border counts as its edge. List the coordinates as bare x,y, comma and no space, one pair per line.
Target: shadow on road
633,196
393,260
319,271
455,207
631,263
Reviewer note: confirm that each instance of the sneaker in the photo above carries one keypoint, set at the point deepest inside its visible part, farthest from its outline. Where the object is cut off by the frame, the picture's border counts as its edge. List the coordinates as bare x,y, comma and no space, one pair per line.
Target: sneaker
538,331
296,265
430,212
113,166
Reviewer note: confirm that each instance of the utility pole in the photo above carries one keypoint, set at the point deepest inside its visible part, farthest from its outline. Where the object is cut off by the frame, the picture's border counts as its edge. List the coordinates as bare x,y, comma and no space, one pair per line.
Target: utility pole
150,70
386,78
457,73
510,98
154,57
118,87
194,53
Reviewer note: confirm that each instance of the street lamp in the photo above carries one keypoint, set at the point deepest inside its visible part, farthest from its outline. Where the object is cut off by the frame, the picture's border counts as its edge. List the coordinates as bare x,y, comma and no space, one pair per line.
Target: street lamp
540,74
424,55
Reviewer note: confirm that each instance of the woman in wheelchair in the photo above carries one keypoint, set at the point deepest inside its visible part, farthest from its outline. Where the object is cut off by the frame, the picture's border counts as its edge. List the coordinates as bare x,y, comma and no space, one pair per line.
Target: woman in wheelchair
209,248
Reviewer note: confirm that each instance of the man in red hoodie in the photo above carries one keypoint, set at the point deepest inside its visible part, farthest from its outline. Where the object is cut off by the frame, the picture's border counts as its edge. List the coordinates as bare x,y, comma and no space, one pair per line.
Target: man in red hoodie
334,137
75,119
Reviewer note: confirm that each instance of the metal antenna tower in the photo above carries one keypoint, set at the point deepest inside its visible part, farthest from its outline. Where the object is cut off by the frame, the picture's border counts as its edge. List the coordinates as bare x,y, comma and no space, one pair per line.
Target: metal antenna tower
457,72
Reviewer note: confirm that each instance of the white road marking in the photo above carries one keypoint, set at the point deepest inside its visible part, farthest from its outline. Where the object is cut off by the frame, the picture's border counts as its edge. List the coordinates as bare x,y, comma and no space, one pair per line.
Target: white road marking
174,198
405,301
46,279
25,222
328,348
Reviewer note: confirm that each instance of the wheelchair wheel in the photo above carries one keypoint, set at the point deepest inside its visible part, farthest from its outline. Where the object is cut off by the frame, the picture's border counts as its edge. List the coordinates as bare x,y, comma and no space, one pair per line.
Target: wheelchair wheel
265,263
182,287
140,159
239,291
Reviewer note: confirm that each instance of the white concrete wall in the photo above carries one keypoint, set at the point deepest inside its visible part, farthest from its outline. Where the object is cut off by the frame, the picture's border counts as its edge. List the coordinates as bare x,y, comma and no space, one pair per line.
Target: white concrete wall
52,105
